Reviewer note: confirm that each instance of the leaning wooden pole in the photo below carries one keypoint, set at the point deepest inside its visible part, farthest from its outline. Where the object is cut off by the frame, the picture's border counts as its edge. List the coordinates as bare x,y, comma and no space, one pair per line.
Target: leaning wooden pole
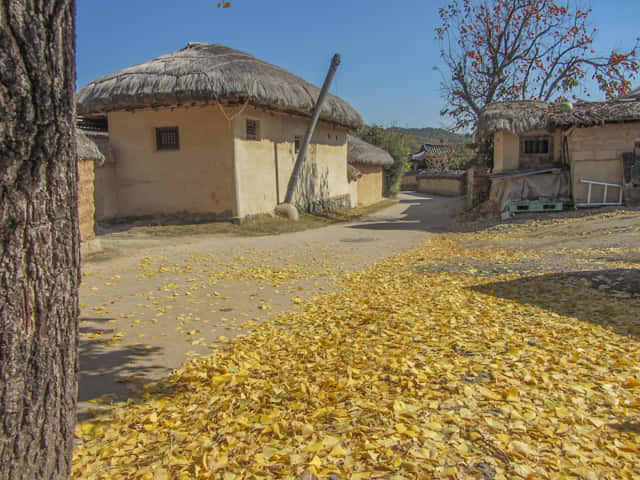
295,174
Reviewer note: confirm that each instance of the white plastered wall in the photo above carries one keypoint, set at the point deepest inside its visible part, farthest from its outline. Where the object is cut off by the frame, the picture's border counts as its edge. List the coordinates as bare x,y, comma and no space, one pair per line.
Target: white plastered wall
506,147
263,166
195,179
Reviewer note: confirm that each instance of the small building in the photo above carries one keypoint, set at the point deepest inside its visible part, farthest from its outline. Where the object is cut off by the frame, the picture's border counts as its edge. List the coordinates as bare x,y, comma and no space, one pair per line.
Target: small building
214,132
366,172
88,156
558,151
430,155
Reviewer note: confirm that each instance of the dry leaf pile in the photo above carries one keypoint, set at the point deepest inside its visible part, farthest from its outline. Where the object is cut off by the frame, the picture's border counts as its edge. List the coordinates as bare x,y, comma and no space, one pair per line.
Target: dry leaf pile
444,362
183,296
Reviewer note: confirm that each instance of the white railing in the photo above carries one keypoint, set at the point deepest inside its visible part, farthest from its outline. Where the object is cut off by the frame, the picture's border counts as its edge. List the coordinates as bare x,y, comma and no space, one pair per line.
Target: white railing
604,202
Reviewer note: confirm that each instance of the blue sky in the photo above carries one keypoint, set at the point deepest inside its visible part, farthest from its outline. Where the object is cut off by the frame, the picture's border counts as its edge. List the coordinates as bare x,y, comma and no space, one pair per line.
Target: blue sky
388,48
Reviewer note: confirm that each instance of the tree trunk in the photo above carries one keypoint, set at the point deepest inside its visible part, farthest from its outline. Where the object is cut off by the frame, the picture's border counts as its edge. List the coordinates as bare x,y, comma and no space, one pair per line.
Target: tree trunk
39,239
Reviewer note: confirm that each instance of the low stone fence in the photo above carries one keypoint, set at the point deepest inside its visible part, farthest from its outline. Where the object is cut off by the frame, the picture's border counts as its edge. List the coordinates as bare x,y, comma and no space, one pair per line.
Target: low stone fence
327,204
448,183
409,181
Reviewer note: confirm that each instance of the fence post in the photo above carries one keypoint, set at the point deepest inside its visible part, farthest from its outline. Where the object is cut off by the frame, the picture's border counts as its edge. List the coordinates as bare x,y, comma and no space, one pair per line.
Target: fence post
470,186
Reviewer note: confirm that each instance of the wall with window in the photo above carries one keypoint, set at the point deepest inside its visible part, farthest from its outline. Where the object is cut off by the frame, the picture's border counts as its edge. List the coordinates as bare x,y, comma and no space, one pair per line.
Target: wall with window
265,152
536,149
173,161
596,154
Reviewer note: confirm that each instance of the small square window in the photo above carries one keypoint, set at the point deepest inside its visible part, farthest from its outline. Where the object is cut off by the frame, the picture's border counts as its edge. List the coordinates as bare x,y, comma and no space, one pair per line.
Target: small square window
252,129
535,146
296,144
167,138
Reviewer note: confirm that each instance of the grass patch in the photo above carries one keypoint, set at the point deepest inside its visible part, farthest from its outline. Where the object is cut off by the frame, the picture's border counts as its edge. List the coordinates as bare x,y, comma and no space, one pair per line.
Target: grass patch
253,228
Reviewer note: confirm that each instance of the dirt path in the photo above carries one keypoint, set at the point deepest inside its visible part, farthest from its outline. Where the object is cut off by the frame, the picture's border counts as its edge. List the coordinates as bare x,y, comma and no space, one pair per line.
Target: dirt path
490,351
159,301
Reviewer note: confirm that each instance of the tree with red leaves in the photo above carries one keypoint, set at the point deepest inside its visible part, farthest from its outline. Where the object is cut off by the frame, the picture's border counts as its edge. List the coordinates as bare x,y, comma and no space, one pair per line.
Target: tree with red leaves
522,49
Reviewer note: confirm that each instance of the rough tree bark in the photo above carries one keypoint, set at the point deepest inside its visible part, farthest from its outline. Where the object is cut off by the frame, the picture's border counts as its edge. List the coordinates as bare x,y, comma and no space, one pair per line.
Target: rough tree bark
39,240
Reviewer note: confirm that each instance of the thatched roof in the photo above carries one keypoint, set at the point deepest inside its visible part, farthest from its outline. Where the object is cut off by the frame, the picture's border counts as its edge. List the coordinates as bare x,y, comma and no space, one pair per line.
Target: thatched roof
524,116
203,72
632,95
87,150
516,117
363,153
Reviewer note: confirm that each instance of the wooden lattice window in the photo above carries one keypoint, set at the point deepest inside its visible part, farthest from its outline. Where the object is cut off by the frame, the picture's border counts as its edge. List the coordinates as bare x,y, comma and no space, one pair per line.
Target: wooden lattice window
535,145
167,138
252,129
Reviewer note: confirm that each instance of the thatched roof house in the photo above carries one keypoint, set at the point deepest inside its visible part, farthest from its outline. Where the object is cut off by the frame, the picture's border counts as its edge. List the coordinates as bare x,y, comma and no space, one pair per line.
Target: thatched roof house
87,149
586,140
524,116
88,156
364,153
204,72
213,131
632,95
366,164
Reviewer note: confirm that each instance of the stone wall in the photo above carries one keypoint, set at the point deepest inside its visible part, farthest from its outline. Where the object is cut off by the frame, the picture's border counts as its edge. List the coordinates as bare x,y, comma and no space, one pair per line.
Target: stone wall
329,204
447,187
478,185
409,181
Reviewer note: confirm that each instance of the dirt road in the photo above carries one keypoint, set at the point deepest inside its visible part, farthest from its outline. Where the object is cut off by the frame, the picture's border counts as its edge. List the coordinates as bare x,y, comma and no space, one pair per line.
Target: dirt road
161,300
488,351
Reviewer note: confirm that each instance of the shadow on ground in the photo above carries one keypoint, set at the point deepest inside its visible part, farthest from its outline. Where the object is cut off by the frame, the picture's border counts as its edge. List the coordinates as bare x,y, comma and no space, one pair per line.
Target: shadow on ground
610,298
422,213
110,374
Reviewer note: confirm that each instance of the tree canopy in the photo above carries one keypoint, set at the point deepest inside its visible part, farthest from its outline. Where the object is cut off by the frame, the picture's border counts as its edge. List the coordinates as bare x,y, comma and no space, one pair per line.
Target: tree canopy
522,49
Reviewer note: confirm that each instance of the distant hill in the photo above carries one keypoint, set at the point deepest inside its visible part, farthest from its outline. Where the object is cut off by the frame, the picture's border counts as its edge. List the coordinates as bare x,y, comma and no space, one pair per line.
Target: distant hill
417,136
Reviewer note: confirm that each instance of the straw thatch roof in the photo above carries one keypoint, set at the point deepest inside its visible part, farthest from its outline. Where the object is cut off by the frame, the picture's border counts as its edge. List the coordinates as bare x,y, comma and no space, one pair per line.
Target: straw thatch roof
87,150
363,153
632,95
203,72
524,116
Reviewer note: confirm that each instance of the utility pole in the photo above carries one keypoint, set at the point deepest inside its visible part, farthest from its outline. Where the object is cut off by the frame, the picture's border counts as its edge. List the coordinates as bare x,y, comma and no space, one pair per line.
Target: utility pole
295,174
